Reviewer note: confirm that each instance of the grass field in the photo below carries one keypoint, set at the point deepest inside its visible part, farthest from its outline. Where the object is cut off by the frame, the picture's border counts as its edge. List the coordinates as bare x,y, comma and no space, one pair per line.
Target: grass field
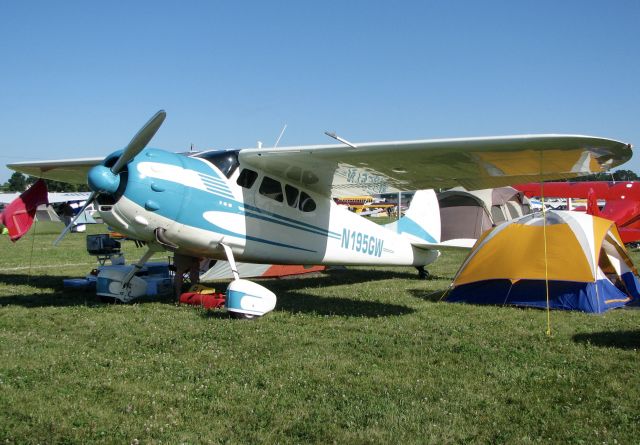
359,356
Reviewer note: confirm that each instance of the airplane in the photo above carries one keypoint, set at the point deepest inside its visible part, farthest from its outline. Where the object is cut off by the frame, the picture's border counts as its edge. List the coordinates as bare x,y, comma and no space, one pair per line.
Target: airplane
622,201
364,205
274,205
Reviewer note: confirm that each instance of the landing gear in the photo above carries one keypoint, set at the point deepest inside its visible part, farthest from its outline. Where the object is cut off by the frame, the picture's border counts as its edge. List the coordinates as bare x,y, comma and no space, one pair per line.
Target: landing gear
423,273
246,299
239,316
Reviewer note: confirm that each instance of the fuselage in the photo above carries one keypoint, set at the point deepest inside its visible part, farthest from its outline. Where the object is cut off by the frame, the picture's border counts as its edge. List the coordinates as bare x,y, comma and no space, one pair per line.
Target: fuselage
201,202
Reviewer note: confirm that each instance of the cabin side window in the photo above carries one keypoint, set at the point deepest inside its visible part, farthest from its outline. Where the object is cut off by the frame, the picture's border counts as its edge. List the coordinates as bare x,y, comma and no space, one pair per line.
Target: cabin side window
271,189
292,195
247,178
307,204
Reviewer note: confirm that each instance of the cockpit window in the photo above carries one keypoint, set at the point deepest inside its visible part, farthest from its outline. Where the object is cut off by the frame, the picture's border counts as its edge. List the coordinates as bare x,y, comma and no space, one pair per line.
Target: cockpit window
246,178
225,161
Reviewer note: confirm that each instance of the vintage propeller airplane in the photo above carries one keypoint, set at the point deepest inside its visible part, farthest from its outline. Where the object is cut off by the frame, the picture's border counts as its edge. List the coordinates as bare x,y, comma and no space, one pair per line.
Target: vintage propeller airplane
268,205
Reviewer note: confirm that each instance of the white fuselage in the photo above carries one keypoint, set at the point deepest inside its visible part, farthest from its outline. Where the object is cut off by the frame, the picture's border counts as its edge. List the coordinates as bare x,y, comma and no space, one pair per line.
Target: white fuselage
200,209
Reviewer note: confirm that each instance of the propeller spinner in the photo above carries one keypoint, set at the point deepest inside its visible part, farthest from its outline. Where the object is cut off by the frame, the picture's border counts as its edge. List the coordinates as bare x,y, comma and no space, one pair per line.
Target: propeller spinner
103,179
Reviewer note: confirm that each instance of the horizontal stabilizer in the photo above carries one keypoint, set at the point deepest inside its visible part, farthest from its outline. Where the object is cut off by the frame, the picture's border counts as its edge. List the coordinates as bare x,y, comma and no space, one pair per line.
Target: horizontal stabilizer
452,244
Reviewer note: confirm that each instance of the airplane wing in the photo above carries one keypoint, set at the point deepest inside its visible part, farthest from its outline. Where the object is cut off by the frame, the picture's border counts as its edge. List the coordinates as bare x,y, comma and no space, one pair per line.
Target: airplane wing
6,198
452,244
55,197
474,163
73,171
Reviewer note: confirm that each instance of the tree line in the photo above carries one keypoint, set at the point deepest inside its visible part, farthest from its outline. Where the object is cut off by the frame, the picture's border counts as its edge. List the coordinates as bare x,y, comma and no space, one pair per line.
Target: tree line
618,175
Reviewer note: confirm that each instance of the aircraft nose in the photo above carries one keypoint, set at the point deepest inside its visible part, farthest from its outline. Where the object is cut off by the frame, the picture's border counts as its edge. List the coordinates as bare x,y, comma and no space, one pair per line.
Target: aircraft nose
102,180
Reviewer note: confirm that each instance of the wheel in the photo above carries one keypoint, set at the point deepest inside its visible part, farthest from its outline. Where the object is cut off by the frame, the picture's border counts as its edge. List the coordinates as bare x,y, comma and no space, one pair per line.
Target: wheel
423,273
240,316
109,300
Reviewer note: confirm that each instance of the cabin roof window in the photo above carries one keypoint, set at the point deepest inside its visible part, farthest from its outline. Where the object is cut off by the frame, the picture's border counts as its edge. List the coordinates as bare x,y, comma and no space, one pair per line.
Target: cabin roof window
271,189
226,161
247,178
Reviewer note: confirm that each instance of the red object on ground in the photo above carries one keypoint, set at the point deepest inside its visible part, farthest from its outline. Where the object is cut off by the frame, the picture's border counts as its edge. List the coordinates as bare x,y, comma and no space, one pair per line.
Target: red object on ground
19,214
207,301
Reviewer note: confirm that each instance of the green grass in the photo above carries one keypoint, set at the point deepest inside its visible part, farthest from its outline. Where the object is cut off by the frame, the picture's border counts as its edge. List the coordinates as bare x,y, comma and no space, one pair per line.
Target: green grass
359,356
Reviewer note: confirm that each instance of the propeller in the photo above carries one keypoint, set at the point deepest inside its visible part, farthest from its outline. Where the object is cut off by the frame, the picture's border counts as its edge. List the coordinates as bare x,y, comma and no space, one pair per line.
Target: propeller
102,179
139,141
92,196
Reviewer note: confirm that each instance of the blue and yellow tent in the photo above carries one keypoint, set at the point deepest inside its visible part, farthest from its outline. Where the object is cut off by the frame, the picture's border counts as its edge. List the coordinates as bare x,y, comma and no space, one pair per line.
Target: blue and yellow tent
581,257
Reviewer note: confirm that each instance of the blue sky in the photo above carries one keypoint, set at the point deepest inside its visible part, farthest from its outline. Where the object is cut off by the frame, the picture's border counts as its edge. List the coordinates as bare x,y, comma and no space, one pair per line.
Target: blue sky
78,78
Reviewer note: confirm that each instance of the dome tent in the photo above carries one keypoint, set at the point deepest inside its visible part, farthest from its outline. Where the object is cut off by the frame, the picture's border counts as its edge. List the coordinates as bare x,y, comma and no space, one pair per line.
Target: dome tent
467,214
583,259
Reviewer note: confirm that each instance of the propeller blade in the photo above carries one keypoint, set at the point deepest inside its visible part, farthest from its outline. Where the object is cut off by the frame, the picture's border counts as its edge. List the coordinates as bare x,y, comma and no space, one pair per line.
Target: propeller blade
91,198
139,141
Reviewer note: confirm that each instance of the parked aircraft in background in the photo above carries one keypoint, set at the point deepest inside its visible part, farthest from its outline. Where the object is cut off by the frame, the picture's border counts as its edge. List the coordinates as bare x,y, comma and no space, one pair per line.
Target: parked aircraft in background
622,201
364,205
59,206
274,205
54,198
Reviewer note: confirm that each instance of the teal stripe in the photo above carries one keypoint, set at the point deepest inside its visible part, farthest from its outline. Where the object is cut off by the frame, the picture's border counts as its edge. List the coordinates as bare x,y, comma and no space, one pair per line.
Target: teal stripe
274,221
284,218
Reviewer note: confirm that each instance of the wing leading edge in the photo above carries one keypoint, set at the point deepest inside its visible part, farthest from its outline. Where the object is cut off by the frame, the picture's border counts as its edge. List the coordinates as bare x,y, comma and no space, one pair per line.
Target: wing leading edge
380,167
473,163
73,171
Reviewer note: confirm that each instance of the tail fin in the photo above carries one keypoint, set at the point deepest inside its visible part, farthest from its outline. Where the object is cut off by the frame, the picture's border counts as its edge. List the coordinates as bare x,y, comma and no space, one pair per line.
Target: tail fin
421,222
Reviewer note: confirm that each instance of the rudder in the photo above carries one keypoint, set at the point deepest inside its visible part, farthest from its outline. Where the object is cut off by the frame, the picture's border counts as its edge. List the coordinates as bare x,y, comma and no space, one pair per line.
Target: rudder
422,220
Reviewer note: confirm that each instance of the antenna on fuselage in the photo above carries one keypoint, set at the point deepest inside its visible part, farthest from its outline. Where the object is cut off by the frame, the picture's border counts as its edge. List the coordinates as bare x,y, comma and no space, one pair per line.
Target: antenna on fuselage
280,136
338,138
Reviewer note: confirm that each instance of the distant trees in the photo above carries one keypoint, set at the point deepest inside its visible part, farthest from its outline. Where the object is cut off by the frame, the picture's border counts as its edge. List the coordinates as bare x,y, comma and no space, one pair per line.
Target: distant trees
618,175
17,183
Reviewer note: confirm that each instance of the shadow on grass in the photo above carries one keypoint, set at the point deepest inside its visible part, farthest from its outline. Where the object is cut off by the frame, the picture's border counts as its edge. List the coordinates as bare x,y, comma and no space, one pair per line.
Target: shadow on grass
290,299
618,339
59,296
338,277
296,303
293,299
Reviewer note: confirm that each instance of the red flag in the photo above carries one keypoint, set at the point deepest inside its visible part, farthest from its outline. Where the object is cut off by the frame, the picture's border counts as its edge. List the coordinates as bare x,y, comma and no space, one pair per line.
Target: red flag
18,216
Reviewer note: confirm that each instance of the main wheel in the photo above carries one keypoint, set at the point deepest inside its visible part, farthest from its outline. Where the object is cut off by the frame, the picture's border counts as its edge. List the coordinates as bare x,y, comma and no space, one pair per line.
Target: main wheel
241,316
423,273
